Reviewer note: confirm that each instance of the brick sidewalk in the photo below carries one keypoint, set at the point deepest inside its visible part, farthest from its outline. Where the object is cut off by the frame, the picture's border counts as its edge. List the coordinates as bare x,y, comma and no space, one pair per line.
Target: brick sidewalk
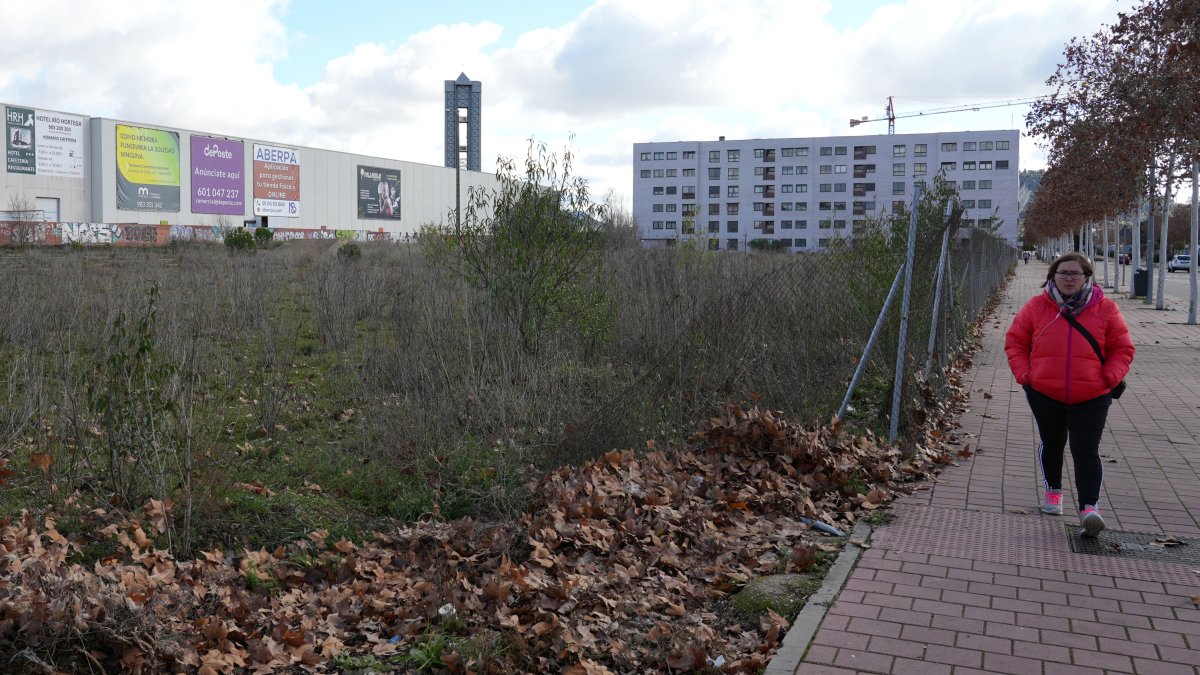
972,578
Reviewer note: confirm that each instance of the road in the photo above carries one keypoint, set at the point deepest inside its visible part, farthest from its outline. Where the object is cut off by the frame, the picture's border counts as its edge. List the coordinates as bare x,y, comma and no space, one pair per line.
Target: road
1178,284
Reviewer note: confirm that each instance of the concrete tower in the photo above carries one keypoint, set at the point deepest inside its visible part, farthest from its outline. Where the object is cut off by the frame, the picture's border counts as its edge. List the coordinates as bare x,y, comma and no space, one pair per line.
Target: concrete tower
463,93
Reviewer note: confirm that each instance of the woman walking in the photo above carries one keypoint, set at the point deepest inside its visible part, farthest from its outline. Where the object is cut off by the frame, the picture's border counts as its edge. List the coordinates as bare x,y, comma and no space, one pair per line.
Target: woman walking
1069,348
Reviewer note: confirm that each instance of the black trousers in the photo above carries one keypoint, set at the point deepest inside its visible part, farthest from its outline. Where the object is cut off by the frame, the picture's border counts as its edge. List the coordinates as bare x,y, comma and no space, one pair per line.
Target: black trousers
1082,424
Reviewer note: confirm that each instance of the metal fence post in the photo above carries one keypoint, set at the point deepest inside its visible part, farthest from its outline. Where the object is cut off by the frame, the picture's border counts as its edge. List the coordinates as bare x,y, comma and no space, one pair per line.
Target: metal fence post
862,363
937,301
901,345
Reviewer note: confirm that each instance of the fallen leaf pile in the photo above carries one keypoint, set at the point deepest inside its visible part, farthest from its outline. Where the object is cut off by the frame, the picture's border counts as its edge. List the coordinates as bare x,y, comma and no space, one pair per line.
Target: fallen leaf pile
620,566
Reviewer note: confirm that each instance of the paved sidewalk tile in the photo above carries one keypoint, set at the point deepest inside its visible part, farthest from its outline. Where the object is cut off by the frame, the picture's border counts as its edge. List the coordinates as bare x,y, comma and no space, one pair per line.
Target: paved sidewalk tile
971,577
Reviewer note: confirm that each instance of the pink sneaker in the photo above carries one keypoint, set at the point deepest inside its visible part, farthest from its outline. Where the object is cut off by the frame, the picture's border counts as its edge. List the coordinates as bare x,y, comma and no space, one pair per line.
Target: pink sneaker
1052,504
1092,523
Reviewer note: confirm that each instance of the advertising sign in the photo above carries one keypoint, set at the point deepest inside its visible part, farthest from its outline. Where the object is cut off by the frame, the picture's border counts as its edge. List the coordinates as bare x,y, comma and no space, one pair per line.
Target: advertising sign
276,181
218,180
147,169
378,193
59,145
18,125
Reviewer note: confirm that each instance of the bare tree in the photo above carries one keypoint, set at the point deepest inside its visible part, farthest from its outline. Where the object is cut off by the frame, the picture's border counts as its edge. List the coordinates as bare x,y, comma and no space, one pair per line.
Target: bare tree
24,221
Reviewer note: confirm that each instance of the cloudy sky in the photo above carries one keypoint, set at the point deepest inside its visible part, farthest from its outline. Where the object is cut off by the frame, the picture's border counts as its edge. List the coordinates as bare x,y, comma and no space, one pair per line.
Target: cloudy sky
367,76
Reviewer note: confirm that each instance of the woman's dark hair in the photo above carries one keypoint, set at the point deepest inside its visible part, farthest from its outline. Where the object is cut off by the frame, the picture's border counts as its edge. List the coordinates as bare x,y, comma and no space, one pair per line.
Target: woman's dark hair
1078,257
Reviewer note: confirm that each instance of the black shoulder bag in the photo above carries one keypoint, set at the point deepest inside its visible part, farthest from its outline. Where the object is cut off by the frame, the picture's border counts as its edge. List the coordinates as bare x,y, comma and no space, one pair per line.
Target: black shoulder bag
1120,388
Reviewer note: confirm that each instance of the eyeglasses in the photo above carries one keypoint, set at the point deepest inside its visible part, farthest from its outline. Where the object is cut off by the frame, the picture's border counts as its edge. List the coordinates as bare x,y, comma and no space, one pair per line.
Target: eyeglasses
1068,275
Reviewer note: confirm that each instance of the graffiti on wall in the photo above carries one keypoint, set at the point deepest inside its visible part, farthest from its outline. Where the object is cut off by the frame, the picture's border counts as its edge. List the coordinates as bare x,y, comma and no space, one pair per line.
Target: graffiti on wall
89,233
141,234
24,233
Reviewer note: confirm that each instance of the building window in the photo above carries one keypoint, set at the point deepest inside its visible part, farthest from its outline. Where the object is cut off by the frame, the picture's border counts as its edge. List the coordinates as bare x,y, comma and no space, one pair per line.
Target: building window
671,173
839,187
839,224
985,185
689,154
985,145
659,155
714,191
827,152
645,173
672,224
949,166
985,165
672,155
658,173
840,168
898,169
802,187
825,187
733,173
824,225
671,208
758,189
802,171
689,172
968,203
802,152
714,209
731,226
658,224
968,166
671,189
839,150
824,206
657,208
949,147
826,169
1001,145
985,203
969,146
645,157
785,188
758,153
658,190
733,155
801,206
801,243
801,224
731,208
1002,164
899,150
732,191
714,156
788,152
714,226
898,206
758,207
786,171
898,187
714,173
968,185
920,150
919,168
785,206
731,244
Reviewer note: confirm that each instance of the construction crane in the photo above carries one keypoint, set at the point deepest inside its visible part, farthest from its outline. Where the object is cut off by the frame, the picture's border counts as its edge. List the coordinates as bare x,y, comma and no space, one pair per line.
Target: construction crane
891,115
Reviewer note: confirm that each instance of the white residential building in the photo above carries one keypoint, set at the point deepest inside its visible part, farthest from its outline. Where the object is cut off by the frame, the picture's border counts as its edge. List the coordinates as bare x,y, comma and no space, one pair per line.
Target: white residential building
804,192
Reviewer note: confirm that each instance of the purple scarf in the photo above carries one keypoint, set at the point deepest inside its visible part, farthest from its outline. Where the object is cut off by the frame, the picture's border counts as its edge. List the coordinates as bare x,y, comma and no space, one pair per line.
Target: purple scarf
1071,303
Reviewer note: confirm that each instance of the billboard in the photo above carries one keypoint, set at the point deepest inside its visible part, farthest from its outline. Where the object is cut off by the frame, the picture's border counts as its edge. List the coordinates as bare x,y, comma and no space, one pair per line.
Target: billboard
60,145
218,176
147,169
378,193
276,181
19,140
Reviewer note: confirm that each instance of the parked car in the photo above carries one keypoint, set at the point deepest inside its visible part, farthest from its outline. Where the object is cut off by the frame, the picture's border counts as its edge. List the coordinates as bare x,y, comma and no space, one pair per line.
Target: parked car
1179,262
1123,259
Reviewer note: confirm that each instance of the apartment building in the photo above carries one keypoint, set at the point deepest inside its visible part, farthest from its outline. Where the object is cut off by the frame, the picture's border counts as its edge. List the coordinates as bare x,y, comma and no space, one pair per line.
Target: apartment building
805,192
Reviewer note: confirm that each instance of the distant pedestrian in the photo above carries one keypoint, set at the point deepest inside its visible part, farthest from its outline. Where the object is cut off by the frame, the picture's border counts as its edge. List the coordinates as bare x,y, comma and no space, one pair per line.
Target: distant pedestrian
1068,382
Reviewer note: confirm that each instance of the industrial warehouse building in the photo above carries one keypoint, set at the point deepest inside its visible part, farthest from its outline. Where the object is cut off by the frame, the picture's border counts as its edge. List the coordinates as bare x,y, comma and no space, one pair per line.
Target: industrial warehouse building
804,192
71,178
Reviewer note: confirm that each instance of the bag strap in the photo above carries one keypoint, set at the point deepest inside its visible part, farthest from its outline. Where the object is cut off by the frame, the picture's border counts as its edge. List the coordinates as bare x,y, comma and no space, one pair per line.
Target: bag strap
1083,331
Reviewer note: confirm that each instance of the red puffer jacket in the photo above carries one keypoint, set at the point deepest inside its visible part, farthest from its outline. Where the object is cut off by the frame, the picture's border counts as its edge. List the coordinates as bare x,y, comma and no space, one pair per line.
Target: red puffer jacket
1047,353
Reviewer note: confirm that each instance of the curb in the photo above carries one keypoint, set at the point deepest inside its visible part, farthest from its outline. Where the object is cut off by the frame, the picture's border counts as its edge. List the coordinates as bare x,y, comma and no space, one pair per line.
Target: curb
795,643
